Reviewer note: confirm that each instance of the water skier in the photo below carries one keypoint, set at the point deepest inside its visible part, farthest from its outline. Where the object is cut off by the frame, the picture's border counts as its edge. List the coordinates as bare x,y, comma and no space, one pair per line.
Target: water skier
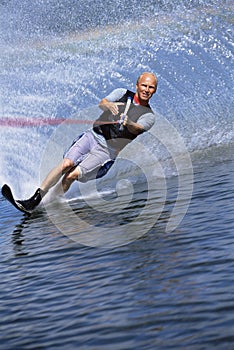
126,115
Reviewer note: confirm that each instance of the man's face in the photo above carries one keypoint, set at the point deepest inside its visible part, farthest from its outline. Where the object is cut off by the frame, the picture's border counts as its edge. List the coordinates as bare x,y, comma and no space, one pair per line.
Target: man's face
145,88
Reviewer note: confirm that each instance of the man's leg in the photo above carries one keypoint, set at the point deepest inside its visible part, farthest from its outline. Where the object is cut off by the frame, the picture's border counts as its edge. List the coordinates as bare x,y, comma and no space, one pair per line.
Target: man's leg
56,173
51,179
70,177
78,150
85,151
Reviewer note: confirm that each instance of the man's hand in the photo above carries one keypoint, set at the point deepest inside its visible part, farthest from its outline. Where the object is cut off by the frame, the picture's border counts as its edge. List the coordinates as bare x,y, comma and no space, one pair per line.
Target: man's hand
111,106
133,127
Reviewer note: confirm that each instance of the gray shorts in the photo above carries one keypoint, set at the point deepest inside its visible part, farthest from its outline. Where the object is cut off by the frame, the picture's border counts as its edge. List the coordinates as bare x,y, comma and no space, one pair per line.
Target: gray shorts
93,159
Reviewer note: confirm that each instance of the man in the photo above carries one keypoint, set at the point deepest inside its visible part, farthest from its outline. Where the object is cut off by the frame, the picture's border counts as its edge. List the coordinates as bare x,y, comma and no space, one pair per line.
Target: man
92,153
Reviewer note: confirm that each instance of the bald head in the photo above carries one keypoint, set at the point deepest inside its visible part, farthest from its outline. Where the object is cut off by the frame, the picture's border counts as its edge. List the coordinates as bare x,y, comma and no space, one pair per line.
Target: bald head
146,86
148,75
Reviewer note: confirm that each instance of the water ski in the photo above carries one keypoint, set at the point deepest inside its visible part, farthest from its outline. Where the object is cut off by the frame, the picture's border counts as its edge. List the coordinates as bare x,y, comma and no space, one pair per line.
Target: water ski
6,192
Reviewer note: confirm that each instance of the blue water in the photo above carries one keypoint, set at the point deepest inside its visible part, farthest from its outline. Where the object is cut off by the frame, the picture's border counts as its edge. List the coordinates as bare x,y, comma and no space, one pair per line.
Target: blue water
142,259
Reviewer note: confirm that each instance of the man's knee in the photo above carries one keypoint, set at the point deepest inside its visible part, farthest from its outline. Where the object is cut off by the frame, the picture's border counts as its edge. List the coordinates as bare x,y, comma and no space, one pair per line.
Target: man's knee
67,164
73,174
69,178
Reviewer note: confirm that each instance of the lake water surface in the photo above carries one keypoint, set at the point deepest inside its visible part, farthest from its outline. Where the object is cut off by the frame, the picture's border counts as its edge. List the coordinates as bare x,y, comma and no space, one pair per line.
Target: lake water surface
144,258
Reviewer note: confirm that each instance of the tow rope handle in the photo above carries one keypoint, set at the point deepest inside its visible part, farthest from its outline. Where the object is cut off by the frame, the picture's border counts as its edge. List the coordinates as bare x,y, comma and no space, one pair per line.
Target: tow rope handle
124,114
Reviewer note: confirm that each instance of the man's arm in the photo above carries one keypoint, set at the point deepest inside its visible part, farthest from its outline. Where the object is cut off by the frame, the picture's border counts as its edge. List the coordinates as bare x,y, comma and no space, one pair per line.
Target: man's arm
144,123
108,102
108,105
134,128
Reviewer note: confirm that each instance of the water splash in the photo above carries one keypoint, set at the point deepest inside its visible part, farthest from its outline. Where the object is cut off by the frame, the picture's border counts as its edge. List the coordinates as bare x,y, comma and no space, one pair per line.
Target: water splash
53,70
